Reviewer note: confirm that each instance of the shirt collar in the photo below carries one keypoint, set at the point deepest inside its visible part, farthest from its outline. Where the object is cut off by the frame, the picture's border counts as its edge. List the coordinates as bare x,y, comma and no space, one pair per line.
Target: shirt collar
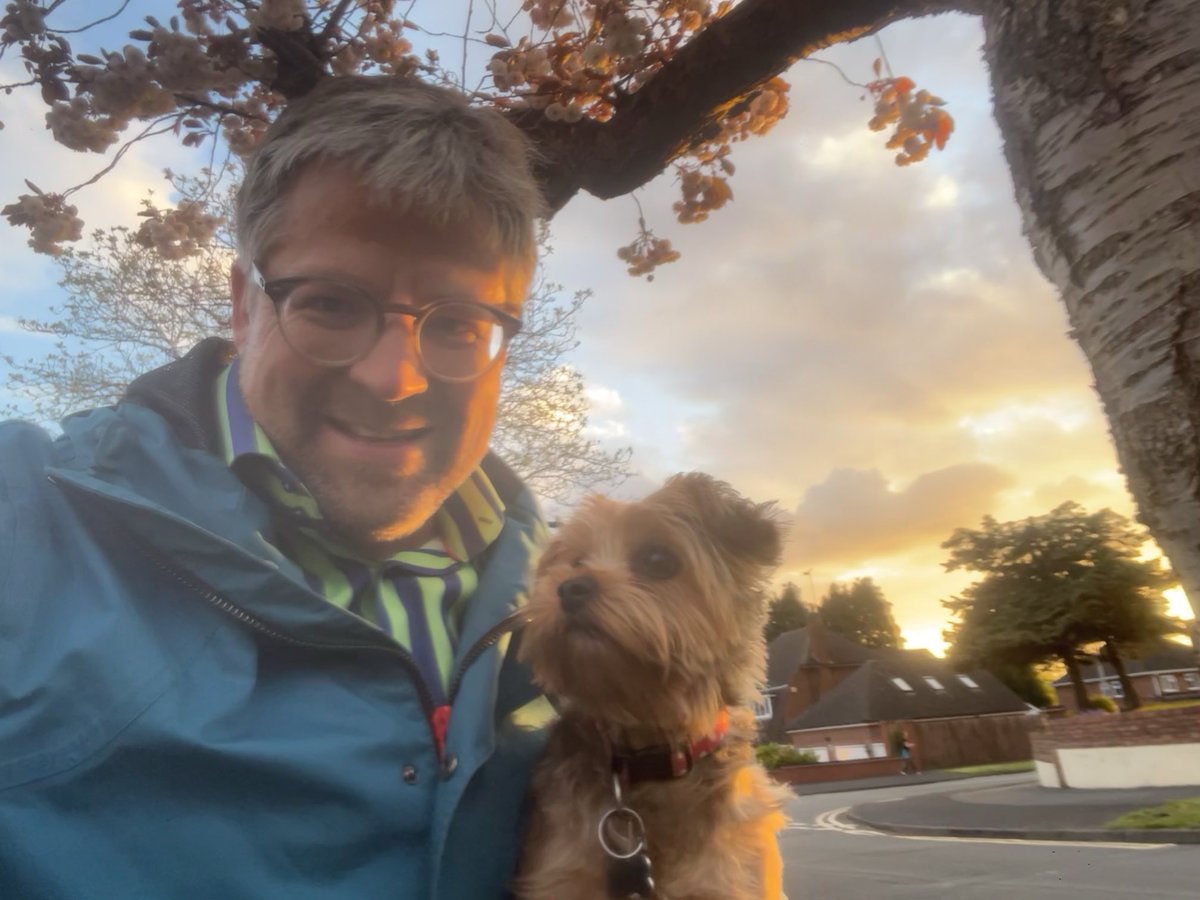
466,524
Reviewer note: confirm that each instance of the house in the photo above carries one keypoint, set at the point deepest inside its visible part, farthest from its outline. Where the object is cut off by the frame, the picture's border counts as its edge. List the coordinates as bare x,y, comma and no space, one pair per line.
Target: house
844,702
1169,672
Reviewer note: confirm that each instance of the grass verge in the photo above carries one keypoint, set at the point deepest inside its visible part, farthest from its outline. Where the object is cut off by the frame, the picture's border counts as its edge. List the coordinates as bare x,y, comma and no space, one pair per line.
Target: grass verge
1172,814
1004,768
1171,704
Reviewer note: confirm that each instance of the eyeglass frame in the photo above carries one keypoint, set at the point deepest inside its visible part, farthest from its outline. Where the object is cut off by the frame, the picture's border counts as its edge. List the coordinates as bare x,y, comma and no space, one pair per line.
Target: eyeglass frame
510,325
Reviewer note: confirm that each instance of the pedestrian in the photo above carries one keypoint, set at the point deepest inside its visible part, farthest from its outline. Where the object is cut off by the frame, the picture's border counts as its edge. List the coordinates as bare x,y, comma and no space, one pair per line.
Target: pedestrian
908,765
254,618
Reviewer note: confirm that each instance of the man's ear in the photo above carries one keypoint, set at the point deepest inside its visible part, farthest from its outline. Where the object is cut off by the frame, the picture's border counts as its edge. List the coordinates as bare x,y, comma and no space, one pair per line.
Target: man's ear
239,291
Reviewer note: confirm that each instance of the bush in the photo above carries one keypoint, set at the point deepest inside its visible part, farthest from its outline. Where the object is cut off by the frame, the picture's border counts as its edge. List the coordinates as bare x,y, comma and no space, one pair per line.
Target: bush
772,756
1104,704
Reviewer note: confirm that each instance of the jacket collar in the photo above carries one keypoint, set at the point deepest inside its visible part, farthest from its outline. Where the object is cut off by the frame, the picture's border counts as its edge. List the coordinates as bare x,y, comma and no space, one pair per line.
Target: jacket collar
182,393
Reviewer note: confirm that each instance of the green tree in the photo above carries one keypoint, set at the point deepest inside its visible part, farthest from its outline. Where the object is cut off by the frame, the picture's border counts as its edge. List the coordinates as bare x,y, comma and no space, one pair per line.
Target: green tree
786,613
861,613
1051,585
128,310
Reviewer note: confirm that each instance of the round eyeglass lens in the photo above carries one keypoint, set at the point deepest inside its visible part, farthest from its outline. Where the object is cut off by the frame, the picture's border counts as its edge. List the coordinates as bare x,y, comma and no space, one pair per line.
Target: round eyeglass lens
459,341
328,322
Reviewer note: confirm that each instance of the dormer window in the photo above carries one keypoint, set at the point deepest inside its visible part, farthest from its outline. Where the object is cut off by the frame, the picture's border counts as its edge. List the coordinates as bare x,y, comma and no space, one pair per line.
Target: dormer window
903,685
969,682
933,683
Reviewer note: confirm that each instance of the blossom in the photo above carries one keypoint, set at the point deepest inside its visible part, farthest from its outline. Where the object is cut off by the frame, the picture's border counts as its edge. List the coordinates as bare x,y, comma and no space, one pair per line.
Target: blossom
24,20
286,15
180,64
73,127
125,88
176,233
49,217
547,14
625,35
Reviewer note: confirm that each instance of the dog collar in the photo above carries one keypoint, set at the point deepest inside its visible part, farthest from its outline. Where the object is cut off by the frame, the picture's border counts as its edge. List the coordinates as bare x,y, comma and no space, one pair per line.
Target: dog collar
664,762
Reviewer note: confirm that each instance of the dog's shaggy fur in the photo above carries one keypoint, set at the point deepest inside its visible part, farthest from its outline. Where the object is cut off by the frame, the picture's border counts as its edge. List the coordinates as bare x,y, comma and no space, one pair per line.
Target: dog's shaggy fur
646,621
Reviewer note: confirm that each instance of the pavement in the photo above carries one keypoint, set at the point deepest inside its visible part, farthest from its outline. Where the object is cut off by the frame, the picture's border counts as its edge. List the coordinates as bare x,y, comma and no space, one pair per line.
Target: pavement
933,776
1019,808
827,856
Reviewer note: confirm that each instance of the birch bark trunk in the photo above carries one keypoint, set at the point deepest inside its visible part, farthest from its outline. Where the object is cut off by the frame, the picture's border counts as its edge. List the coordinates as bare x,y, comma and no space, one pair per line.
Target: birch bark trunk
1099,105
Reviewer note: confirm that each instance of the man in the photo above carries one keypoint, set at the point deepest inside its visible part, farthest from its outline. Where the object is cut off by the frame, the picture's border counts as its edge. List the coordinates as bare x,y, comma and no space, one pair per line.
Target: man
253,636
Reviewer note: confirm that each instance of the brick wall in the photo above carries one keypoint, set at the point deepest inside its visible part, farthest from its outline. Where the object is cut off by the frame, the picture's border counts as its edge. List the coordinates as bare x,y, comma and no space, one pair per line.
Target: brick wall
1141,728
838,771
1146,684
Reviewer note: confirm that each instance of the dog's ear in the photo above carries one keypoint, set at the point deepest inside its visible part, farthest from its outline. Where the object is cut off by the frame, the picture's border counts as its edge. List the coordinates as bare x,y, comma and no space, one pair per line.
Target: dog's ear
750,530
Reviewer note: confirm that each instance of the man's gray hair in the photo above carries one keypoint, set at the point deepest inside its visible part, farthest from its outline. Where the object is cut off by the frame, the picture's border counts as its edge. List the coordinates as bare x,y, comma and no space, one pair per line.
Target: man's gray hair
420,147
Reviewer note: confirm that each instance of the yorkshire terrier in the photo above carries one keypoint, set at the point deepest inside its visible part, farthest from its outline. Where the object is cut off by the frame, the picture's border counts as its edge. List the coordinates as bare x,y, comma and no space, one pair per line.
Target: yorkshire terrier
645,623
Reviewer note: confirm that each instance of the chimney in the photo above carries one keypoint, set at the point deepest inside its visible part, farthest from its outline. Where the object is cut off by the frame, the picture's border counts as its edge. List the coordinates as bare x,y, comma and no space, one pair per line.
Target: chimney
820,656
818,641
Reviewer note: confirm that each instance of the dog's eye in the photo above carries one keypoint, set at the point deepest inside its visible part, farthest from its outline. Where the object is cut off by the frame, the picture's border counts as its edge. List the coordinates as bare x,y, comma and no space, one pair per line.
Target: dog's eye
655,562
577,562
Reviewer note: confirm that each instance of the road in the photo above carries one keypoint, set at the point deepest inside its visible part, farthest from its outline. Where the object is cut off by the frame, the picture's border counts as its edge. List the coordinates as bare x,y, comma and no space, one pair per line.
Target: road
827,858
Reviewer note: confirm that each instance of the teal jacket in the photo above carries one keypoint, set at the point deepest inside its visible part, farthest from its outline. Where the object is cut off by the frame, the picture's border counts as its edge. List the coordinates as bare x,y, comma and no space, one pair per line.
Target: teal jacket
181,717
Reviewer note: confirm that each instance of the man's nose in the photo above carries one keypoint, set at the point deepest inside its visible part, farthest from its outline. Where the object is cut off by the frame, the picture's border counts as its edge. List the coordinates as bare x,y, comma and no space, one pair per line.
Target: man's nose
392,370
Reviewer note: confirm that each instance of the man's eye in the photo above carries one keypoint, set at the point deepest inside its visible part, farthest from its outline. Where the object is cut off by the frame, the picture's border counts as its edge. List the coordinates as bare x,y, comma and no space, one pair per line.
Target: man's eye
327,309
458,327
654,562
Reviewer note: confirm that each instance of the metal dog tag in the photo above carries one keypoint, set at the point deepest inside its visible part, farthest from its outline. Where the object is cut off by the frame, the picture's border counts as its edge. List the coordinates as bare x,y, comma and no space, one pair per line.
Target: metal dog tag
623,837
629,877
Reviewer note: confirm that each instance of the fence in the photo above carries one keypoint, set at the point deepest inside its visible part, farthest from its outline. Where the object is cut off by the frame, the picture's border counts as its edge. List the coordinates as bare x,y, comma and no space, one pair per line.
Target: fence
969,741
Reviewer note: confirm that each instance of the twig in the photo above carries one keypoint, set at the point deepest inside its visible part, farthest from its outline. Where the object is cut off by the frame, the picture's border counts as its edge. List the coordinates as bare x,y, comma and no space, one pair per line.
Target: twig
124,149
92,25
883,55
17,84
836,68
462,77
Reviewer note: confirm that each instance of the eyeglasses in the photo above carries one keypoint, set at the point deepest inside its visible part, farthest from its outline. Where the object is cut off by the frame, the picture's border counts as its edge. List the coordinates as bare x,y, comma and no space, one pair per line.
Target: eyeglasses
334,323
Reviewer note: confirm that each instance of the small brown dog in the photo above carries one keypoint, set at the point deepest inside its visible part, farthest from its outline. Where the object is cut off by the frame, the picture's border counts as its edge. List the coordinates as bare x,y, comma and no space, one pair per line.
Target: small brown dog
646,623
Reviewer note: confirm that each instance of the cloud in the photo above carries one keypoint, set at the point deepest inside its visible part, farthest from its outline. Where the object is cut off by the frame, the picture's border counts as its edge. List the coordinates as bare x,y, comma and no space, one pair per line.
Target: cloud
855,515
30,153
944,193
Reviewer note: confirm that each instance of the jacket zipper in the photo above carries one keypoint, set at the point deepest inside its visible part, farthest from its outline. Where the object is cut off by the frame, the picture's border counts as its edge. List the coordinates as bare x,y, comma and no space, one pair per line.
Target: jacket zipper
509,623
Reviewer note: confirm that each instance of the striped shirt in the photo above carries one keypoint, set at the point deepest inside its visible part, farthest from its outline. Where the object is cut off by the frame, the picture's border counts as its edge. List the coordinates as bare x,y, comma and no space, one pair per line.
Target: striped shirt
417,596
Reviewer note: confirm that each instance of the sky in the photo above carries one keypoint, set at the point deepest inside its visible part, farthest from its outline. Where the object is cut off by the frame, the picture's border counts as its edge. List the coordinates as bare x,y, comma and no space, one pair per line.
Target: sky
871,347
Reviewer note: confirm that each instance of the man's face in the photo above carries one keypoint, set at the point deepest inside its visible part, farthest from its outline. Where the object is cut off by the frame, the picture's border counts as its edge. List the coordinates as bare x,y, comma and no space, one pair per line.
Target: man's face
379,443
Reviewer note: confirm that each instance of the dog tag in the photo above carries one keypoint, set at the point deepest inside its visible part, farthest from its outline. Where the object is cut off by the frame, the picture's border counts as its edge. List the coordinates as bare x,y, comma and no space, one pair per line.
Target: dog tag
629,877
623,837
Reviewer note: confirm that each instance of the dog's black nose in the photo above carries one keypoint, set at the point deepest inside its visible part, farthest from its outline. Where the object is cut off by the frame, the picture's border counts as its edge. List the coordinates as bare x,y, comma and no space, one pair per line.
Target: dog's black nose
577,591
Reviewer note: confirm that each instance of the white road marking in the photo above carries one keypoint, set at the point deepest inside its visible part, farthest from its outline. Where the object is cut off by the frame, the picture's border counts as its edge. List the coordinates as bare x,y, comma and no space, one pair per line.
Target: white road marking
833,820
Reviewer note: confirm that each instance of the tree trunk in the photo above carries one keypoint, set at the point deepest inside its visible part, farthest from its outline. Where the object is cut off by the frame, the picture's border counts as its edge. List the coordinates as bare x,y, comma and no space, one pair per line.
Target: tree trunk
1077,686
1131,700
1099,105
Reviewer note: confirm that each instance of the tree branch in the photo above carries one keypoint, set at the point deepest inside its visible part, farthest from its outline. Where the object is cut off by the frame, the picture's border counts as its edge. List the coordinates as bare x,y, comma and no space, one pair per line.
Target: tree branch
223,108
685,100
334,21
91,25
